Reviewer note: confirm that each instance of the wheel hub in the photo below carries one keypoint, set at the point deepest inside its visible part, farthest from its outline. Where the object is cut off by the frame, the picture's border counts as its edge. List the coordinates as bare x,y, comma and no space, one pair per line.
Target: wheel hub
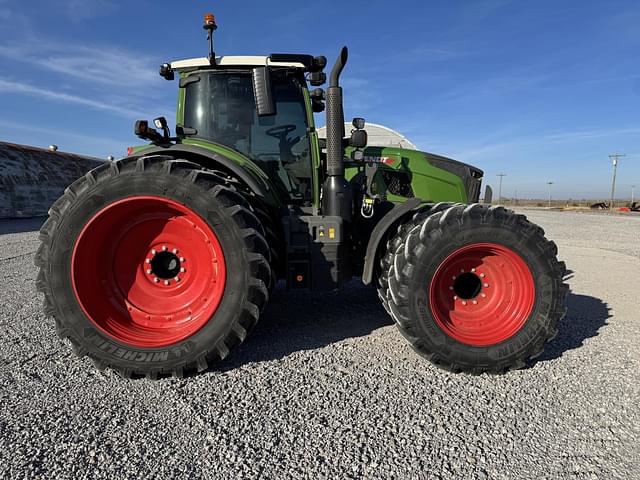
164,265
160,274
482,294
468,285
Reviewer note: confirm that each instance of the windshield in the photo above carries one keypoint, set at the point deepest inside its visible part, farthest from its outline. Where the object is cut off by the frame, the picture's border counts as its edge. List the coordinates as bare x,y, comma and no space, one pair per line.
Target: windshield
221,107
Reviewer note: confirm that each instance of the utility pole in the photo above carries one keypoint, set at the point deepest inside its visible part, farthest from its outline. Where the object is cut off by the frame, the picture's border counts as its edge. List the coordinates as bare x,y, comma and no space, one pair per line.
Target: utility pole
633,191
549,184
614,159
500,186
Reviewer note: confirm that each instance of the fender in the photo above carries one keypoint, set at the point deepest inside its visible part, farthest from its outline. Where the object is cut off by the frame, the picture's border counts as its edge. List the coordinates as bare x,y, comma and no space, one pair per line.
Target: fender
255,184
381,231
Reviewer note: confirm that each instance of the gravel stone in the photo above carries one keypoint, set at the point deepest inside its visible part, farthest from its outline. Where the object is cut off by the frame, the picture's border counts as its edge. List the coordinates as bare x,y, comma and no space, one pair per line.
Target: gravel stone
327,388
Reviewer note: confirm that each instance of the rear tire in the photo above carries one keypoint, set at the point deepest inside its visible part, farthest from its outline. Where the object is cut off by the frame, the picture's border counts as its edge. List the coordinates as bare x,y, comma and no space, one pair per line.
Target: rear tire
477,289
116,297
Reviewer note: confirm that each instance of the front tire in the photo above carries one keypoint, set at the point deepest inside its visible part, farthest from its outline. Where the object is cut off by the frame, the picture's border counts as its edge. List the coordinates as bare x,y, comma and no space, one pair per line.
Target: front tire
153,266
477,289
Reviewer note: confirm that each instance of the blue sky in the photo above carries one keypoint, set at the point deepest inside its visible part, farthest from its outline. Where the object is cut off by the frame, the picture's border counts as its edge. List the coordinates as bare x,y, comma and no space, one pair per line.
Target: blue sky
542,91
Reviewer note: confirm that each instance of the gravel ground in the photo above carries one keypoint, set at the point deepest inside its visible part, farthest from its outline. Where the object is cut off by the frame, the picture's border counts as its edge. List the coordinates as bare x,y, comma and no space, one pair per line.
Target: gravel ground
326,387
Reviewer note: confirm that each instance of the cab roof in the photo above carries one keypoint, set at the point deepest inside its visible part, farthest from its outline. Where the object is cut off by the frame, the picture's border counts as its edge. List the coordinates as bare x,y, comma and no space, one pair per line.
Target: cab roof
232,61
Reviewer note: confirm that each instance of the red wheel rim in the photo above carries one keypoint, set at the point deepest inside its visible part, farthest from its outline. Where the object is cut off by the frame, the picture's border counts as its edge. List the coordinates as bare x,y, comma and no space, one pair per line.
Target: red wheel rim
148,271
482,294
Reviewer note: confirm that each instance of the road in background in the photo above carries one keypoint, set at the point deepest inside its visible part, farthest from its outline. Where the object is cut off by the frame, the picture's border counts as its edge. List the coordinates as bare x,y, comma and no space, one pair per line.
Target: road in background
326,387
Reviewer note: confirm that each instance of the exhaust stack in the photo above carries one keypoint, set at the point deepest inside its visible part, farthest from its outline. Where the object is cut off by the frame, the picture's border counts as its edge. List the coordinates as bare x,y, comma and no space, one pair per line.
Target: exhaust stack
337,196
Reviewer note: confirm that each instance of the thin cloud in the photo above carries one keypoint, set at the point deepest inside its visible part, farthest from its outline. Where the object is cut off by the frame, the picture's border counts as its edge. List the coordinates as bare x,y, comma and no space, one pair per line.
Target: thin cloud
101,65
584,134
8,86
517,144
97,145
82,10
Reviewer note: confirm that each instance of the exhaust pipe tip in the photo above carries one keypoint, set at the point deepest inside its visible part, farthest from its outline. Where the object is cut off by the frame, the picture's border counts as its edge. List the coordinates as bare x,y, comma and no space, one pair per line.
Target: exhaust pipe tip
341,61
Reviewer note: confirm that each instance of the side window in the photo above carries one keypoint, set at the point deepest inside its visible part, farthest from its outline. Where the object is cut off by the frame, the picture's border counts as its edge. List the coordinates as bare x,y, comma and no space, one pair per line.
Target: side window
283,139
221,107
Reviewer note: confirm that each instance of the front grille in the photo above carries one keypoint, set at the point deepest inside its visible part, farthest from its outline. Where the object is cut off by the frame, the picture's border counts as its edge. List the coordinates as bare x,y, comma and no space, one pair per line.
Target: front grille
398,183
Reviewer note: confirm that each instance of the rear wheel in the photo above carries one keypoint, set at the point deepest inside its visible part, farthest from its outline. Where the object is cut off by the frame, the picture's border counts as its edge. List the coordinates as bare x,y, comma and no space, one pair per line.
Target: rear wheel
477,289
153,266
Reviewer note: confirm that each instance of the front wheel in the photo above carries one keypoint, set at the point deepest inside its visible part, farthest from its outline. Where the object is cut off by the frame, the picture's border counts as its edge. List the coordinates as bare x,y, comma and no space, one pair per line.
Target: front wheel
477,289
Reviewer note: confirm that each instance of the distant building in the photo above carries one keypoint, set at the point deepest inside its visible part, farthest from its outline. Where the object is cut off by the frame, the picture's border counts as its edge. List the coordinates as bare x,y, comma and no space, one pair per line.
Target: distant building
378,136
32,178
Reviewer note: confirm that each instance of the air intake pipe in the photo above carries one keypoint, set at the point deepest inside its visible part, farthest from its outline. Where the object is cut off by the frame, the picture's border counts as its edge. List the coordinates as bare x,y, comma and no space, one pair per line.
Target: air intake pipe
337,195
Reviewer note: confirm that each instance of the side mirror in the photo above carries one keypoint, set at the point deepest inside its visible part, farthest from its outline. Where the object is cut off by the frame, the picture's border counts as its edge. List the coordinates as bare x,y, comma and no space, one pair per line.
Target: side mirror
262,91
162,124
358,139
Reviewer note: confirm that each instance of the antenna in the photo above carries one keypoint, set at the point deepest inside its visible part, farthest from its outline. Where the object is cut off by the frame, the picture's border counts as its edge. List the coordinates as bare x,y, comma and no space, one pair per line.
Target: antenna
210,26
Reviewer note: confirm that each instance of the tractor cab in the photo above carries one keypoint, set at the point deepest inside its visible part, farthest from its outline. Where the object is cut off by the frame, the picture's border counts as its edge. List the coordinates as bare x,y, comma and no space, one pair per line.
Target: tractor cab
258,106
219,106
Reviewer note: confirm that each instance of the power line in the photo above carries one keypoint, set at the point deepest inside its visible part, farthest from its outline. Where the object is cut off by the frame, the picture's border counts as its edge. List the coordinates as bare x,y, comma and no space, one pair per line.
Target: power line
614,159
500,186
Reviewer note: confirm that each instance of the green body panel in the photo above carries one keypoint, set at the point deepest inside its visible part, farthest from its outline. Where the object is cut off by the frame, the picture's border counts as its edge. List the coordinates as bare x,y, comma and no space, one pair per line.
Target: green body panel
315,150
430,183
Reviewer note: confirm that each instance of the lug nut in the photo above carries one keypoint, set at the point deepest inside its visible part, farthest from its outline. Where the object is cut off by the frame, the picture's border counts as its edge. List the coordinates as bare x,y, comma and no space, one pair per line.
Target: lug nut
164,248
177,279
455,297
182,259
473,270
182,269
166,282
149,271
482,275
462,270
153,252
483,295
485,285
453,277
175,250
156,279
450,288
475,302
464,303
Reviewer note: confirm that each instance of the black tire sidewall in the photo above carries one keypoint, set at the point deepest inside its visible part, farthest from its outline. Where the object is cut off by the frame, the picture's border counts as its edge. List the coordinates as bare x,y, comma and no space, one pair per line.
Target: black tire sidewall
201,202
431,334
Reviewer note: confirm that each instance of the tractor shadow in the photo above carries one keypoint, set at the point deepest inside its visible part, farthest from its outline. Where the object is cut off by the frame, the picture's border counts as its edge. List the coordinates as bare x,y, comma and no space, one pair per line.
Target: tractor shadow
295,321
585,316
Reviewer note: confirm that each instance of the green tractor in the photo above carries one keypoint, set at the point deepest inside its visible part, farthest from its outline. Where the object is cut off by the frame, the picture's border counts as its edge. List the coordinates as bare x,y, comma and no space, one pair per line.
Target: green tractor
161,263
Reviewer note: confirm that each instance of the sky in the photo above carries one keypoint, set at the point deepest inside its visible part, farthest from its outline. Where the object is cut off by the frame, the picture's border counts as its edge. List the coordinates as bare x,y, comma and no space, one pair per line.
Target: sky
540,91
